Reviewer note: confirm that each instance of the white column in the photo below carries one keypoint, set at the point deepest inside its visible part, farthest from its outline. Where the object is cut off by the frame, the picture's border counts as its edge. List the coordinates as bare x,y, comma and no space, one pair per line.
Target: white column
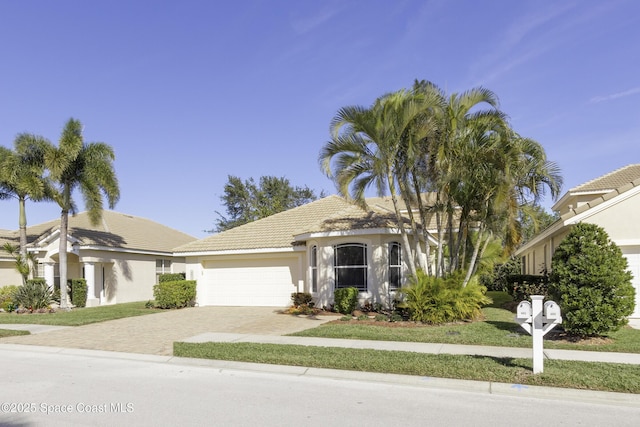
90,277
49,275
537,333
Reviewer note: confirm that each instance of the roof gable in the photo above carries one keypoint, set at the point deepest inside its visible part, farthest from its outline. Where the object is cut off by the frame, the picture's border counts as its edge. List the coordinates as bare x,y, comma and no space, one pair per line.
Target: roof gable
617,180
115,230
610,181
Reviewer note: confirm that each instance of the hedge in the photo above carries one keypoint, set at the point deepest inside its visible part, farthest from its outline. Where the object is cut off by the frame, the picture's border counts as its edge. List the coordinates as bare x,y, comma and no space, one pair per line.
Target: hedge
346,300
78,292
175,294
171,277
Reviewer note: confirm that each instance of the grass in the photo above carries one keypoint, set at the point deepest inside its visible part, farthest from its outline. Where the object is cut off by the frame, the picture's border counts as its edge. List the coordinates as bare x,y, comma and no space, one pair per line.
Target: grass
497,329
11,333
568,374
81,316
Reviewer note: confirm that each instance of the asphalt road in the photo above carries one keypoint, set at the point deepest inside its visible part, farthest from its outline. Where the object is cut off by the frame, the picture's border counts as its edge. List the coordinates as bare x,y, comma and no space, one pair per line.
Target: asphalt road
97,388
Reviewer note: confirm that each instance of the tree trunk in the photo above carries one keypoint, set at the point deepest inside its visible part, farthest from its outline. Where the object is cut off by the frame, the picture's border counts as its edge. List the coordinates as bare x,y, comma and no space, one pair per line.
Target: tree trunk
476,250
403,233
62,260
417,236
425,222
22,223
440,252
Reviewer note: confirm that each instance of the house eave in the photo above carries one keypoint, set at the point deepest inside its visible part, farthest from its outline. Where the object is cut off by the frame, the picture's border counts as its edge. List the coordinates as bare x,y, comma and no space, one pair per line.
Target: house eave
291,249
345,233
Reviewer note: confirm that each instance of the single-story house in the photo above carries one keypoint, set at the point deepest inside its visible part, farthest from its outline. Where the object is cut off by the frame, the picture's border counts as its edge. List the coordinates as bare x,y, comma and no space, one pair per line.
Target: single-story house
323,245
612,202
120,258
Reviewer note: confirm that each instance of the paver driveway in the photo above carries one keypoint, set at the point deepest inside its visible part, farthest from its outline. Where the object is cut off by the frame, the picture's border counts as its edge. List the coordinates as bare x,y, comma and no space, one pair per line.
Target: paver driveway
155,333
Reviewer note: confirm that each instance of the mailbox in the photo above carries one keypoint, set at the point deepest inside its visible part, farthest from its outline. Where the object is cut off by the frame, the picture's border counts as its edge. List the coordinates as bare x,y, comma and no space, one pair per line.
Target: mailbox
551,311
524,310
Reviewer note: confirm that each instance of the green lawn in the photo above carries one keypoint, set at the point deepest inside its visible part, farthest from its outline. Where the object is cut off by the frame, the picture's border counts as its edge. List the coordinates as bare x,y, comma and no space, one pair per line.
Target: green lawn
11,333
497,329
578,375
81,316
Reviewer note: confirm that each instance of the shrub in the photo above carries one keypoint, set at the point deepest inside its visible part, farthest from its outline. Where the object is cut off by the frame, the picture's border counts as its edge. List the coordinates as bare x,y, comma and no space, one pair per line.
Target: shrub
171,277
175,294
498,279
301,298
435,300
78,292
7,297
346,300
590,282
522,286
34,295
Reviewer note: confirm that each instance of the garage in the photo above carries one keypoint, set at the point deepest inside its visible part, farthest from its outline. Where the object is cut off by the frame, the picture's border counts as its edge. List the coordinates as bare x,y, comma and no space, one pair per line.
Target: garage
249,281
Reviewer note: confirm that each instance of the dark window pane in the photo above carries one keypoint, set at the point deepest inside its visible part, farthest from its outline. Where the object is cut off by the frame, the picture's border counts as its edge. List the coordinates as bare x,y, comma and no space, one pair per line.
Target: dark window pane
394,277
394,254
353,277
351,255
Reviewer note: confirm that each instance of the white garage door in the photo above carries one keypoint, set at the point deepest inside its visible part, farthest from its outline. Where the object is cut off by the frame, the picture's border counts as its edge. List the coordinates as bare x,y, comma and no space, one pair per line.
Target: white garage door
634,267
252,282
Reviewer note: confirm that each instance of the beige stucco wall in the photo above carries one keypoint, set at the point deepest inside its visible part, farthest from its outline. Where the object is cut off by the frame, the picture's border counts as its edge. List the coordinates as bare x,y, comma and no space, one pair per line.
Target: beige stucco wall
300,272
621,220
126,277
8,274
377,261
539,257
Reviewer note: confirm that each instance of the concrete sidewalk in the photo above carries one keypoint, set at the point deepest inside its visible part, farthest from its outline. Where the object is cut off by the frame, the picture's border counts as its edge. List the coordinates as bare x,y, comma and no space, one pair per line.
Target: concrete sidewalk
431,348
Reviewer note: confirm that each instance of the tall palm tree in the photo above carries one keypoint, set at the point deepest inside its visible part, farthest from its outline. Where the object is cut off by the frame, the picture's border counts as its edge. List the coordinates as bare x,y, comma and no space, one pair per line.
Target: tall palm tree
456,120
364,148
87,168
22,177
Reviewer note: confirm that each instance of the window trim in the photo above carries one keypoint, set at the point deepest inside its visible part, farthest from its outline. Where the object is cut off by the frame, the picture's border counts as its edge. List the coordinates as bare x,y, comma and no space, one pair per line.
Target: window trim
364,267
313,266
398,266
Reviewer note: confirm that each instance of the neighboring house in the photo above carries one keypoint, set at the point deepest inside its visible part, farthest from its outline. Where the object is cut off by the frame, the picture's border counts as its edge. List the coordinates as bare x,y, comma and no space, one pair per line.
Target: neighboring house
120,258
326,244
612,202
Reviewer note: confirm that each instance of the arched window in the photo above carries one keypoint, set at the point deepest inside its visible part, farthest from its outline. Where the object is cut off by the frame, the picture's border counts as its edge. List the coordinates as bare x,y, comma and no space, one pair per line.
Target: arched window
395,265
350,266
314,269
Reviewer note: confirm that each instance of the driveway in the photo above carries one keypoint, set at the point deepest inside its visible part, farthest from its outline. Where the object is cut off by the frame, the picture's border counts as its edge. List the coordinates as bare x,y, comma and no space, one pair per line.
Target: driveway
155,333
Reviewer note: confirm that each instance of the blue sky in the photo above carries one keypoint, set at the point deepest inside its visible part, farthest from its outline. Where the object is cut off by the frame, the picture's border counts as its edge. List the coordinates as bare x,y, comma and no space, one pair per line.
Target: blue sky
189,92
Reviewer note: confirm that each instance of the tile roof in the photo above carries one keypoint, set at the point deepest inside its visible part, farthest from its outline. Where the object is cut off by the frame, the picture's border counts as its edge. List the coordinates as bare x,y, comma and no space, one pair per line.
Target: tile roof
116,230
610,181
332,213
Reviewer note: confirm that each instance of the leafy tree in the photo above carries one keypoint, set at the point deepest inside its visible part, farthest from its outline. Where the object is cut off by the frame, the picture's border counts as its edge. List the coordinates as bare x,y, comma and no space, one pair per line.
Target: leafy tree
533,219
460,147
368,148
247,201
591,283
85,167
22,177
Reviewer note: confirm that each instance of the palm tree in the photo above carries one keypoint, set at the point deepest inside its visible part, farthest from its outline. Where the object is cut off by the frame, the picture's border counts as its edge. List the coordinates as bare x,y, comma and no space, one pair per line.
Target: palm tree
22,177
364,150
85,167
438,164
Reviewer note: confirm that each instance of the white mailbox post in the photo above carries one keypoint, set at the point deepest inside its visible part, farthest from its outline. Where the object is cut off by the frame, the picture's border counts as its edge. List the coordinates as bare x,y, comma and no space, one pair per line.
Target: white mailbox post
537,320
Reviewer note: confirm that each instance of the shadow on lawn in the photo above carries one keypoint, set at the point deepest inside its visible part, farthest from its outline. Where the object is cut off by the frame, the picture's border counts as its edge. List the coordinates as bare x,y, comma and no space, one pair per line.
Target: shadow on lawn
504,326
